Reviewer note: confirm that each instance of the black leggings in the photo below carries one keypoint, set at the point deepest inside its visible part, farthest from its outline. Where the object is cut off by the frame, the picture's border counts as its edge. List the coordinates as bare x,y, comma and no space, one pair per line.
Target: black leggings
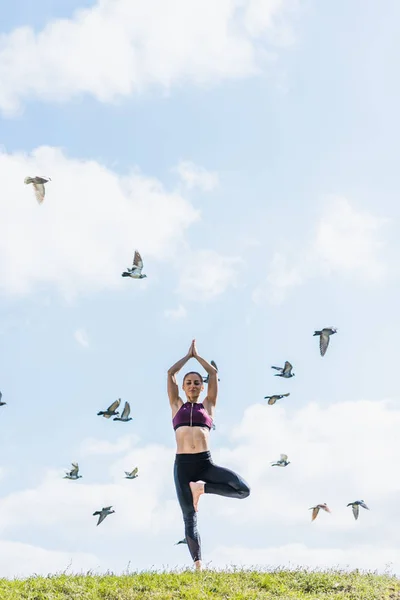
218,480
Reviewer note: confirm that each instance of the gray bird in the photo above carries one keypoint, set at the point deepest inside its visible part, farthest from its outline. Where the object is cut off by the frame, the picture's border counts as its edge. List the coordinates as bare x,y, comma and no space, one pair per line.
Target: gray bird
324,336
181,542
73,473
356,507
285,371
137,266
282,462
316,509
125,414
213,364
2,403
111,410
273,399
133,474
38,186
103,513
213,425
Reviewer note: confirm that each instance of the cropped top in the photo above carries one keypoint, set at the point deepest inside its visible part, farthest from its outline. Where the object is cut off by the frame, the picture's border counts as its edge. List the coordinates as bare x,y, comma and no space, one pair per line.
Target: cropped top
192,414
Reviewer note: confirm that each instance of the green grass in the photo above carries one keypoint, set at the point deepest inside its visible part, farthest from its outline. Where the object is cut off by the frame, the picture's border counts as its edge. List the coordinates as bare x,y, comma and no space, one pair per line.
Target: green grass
277,584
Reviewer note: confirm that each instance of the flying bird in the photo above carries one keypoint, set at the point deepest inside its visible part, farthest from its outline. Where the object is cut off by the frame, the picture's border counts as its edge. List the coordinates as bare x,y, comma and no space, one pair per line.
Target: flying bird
356,507
38,186
181,542
282,462
324,336
103,513
133,474
2,403
125,414
273,399
205,379
137,266
73,473
285,371
315,510
111,410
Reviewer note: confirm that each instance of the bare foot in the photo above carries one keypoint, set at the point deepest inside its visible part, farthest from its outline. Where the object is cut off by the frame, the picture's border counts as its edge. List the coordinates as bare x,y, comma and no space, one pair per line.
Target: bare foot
198,565
197,489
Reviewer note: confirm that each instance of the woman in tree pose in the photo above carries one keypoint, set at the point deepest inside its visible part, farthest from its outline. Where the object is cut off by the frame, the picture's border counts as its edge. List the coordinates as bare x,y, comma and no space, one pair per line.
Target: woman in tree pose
194,471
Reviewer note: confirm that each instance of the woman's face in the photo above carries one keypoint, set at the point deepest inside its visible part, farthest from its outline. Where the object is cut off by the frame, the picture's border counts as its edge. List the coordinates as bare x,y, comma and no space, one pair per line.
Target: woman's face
193,386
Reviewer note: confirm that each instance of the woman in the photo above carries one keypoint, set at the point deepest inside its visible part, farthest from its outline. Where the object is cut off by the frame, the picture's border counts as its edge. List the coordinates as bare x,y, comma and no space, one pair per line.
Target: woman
194,471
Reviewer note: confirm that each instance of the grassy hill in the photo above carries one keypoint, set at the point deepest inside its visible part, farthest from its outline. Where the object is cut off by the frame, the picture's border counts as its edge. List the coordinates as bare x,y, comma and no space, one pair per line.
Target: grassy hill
218,585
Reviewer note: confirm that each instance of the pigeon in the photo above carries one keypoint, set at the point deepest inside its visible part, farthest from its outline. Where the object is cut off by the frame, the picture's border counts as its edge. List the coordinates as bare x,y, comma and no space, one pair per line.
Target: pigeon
73,473
38,186
213,425
285,371
125,414
133,474
181,542
273,399
103,513
356,507
111,410
282,462
324,335
2,403
205,379
315,510
137,266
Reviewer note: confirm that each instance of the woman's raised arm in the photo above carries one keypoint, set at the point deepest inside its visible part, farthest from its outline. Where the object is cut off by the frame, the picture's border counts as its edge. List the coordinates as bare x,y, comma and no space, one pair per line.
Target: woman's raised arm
212,389
173,390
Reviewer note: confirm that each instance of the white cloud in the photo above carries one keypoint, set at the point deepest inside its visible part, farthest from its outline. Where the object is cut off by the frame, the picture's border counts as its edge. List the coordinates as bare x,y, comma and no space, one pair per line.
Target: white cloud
346,242
95,446
149,42
83,235
81,337
22,560
196,176
176,313
206,274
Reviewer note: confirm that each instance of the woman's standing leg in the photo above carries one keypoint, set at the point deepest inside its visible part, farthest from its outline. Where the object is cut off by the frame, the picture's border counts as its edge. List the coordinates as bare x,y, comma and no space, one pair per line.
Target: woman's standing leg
182,475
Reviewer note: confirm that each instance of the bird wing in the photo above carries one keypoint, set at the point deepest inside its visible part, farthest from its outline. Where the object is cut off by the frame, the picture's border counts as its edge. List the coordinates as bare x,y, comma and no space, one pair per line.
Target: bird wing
39,191
126,411
325,507
362,503
102,516
323,343
285,395
114,405
288,367
213,364
315,512
277,368
356,510
137,261
75,469
135,471
284,457
272,399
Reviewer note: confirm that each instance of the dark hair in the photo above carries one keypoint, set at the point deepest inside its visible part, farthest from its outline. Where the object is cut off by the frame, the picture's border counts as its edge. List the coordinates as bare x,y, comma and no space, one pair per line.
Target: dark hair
192,373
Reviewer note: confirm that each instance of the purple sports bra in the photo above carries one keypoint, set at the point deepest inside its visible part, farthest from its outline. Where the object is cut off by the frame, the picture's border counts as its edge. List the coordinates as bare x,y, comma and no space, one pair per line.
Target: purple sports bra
192,414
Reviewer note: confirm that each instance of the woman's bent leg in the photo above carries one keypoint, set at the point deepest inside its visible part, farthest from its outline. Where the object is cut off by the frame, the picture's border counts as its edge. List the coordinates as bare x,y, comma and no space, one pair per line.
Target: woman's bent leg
224,482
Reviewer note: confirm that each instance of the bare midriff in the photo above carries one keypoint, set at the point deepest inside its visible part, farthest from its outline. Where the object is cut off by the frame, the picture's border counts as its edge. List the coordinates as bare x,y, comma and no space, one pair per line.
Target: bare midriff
190,440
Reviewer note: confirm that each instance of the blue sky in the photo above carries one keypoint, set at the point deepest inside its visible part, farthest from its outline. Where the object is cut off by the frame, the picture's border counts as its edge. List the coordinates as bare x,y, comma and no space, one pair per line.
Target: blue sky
249,151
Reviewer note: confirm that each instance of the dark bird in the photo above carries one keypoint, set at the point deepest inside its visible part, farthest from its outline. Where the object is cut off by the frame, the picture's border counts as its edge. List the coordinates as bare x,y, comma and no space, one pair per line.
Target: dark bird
315,510
73,473
103,513
285,371
356,507
2,403
125,414
111,410
137,266
282,462
38,186
205,379
273,399
324,336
